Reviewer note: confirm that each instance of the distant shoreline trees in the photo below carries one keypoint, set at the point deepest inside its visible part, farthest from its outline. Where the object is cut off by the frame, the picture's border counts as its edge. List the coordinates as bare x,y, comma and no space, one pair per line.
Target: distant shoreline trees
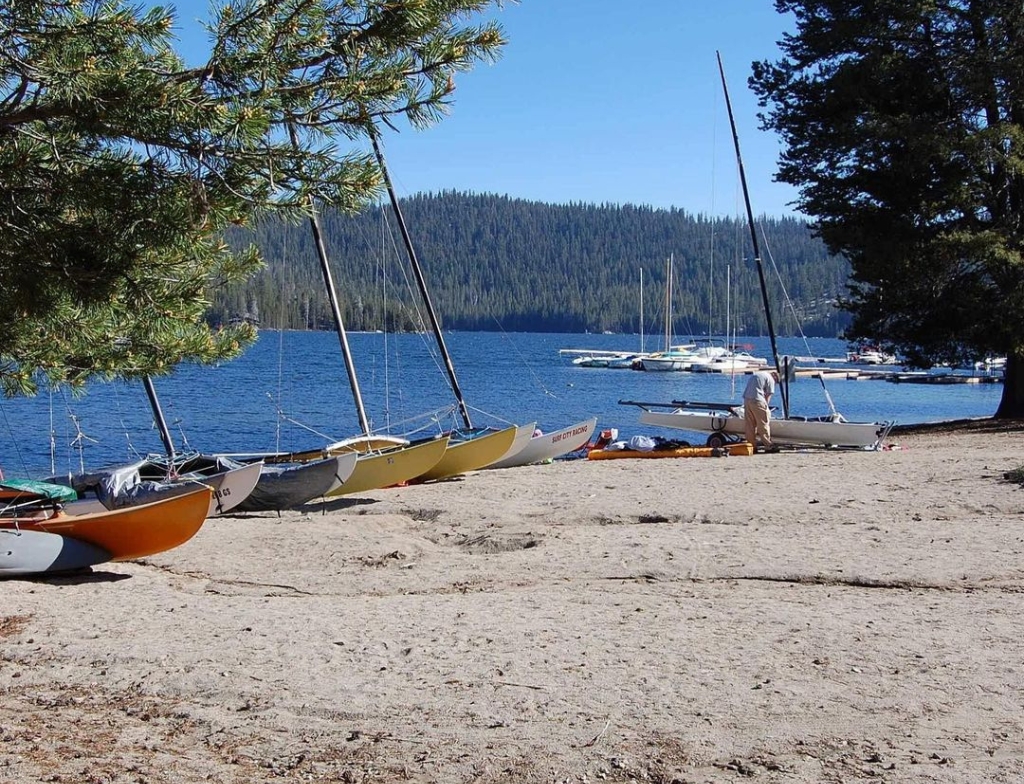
494,263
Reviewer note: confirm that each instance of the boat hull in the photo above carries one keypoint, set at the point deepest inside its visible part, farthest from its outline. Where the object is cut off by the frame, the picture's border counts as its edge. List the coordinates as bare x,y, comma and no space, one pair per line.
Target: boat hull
471,454
391,467
27,552
288,485
132,531
666,364
523,435
232,487
796,432
135,484
550,445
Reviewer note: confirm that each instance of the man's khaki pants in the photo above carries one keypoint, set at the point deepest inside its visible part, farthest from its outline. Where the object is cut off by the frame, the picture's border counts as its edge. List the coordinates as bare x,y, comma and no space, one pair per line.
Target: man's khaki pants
757,423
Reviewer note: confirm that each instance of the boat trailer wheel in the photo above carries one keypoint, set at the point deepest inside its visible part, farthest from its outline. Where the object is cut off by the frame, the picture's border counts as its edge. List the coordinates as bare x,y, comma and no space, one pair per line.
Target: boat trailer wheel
718,440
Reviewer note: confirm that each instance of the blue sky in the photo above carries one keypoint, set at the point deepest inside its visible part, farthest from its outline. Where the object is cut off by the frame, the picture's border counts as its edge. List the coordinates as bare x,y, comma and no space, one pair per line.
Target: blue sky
598,101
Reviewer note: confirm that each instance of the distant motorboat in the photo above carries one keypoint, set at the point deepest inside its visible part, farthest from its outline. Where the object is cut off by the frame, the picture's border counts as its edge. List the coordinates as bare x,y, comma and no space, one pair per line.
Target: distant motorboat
598,358
994,365
739,362
870,355
675,358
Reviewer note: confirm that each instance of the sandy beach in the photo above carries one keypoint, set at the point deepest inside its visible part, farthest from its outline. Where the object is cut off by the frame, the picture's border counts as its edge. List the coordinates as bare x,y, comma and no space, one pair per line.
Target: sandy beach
810,616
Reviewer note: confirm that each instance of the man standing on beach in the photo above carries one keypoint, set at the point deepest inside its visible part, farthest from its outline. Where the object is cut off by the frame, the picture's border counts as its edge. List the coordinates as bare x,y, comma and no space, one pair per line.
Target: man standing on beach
756,398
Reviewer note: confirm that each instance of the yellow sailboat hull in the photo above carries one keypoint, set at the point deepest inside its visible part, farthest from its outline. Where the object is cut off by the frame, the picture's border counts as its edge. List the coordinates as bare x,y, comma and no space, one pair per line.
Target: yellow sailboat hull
393,466
472,454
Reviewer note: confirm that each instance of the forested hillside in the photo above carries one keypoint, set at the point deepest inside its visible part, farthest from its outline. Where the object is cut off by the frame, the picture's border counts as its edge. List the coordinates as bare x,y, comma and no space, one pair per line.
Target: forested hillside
495,263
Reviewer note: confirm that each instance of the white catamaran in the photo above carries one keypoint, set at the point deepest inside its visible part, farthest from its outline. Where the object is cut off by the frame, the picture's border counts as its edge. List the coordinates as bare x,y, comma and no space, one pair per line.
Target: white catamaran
725,421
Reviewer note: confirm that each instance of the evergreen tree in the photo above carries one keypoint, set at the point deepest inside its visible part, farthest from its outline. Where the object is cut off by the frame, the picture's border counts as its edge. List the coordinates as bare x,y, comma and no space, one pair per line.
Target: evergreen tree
121,168
904,129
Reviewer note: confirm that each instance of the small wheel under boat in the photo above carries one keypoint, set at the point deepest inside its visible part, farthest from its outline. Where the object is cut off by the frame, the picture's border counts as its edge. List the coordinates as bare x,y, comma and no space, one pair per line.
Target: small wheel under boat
718,440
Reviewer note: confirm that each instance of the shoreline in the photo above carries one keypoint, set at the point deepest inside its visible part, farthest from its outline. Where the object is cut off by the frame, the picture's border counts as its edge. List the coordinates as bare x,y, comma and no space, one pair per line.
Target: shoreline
802,617
958,426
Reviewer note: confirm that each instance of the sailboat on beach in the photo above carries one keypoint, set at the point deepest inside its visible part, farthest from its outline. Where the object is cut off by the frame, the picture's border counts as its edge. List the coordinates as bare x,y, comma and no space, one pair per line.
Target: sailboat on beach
725,421
40,531
239,484
153,477
381,460
471,447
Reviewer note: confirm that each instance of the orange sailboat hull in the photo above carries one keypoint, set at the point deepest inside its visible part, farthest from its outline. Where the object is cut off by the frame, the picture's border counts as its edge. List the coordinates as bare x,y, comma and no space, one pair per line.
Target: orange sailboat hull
130,532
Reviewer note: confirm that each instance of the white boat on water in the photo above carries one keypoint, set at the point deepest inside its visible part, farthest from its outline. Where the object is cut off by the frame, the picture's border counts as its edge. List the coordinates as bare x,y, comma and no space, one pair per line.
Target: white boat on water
724,422
739,362
597,358
869,355
994,365
675,358
685,356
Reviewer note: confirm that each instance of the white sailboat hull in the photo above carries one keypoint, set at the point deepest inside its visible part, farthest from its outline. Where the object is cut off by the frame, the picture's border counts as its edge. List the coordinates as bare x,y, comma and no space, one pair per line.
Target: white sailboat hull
230,487
523,435
795,432
550,445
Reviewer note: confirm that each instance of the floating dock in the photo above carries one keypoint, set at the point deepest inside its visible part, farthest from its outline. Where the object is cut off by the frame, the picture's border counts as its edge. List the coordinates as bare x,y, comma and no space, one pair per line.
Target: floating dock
896,376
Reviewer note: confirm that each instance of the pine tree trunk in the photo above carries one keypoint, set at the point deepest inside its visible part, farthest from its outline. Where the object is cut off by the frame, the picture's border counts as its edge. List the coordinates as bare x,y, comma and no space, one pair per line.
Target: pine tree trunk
1012,404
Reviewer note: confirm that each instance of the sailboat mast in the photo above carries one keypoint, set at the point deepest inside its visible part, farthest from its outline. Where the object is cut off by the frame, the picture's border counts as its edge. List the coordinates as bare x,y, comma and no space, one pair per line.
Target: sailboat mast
750,221
641,310
158,415
728,305
332,296
668,302
420,281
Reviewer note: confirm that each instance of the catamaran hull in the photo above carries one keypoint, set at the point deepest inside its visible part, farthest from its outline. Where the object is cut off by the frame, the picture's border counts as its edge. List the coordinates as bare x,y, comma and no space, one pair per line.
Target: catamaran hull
288,485
28,552
472,454
797,432
391,467
130,532
232,487
550,445
129,485
523,435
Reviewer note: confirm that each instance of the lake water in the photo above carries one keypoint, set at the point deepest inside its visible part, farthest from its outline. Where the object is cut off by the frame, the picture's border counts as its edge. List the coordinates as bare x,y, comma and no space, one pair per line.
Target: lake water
290,391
